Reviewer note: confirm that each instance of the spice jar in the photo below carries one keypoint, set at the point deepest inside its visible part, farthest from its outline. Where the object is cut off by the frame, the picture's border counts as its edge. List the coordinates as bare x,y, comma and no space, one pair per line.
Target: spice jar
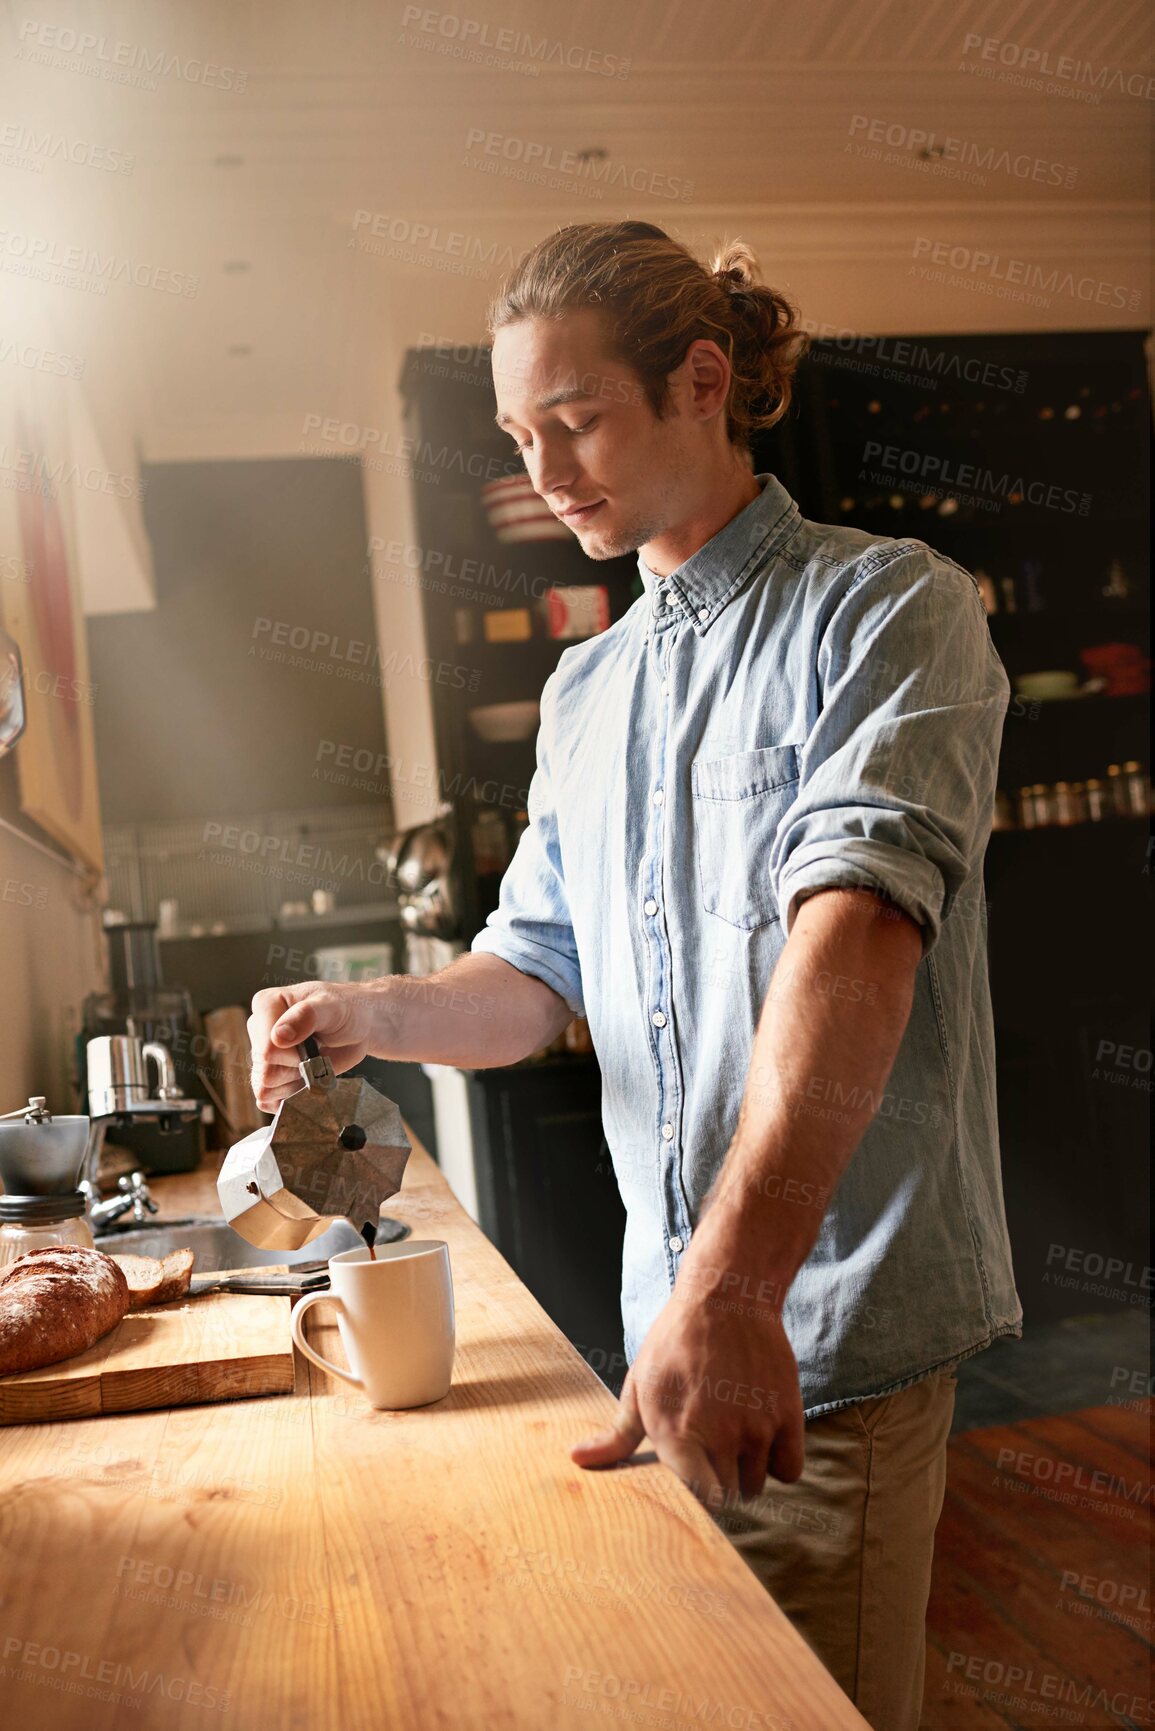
1068,802
1118,802
1044,806
1004,812
1096,799
1137,786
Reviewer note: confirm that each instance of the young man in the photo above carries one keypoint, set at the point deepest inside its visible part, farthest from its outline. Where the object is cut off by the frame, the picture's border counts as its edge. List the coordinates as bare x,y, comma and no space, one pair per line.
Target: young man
754,861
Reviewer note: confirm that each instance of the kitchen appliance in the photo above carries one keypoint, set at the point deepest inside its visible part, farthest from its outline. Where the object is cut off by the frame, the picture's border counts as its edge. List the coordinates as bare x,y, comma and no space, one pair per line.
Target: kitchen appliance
335,1150
423,866
41,1161
141,1006
117,1070
50,1163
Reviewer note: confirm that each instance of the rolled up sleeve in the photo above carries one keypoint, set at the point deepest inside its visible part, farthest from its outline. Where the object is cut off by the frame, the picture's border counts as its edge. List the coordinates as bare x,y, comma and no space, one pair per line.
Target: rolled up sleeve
897,780
531,927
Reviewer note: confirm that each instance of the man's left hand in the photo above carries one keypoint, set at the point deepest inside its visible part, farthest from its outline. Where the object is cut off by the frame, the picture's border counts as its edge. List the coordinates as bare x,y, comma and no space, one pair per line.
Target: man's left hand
714,1387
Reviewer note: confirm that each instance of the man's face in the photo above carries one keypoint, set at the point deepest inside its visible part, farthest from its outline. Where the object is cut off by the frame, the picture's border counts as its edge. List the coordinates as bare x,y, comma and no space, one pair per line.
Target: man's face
593,447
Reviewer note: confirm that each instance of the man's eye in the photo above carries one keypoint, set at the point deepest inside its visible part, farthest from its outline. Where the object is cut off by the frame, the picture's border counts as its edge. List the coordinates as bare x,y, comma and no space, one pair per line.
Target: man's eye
585,426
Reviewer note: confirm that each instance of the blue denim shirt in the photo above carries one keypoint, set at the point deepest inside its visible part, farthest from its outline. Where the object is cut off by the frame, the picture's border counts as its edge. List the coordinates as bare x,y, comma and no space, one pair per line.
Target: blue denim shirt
798,706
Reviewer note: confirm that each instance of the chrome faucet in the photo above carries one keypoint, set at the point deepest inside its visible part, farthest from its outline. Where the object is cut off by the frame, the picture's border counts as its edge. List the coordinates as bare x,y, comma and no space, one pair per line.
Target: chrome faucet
133,1193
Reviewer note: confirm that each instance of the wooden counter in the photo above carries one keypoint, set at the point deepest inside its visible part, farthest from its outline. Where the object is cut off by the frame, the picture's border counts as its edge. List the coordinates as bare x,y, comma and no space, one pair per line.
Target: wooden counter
304,1562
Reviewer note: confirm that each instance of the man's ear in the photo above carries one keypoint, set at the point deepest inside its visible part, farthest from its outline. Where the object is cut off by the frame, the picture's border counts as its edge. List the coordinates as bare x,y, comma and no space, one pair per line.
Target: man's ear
707,372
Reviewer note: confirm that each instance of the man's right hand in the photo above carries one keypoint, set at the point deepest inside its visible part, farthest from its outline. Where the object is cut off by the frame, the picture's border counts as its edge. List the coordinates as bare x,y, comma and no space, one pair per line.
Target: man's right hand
343,1019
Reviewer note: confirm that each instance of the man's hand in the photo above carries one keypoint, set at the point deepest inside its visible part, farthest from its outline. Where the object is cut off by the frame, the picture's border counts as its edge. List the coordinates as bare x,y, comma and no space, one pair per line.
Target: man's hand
342,1017
714,1387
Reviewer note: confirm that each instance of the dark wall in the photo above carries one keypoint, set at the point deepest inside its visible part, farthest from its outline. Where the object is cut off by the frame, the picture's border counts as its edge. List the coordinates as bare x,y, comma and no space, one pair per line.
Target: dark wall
192,719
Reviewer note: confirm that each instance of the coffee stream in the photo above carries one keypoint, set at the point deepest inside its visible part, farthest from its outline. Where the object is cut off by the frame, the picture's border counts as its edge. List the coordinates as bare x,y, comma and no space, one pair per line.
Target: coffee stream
369,1234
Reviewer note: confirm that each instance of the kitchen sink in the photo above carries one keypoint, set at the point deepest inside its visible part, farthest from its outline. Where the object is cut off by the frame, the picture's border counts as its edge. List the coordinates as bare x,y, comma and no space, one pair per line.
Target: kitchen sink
217,1246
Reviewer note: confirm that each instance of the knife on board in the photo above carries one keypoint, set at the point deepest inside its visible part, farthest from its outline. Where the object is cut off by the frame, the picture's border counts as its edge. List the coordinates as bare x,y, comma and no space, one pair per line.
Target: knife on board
270,1282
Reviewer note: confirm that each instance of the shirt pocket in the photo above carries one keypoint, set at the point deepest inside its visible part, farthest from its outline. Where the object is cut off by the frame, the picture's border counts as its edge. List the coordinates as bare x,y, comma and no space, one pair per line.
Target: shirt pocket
739,801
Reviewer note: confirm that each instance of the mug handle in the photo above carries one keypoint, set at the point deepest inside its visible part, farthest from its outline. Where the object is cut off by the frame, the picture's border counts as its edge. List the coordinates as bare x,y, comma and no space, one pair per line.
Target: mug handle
297,1318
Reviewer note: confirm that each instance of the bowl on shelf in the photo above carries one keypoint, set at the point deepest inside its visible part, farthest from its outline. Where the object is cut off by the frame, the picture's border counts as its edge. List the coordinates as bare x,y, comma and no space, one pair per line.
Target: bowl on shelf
503,723
1054,683
517,513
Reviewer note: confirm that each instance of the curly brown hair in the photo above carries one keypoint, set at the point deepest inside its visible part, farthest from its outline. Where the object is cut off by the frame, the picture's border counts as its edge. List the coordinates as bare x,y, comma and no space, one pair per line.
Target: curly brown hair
656,298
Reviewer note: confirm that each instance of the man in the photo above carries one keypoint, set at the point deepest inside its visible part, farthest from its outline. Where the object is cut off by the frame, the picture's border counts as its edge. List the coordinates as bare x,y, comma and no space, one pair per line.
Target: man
754,862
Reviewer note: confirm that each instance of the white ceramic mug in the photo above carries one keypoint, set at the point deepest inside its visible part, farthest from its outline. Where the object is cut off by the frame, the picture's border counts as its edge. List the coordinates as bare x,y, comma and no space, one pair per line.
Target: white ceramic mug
395,1316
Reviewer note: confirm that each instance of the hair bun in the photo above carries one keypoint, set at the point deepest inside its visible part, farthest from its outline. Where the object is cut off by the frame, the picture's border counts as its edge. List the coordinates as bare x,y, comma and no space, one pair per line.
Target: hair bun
735,266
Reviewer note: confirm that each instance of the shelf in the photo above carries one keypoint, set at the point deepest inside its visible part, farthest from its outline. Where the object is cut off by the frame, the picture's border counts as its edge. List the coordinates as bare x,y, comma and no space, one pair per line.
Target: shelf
1122,828
1111,708
339,916
247,927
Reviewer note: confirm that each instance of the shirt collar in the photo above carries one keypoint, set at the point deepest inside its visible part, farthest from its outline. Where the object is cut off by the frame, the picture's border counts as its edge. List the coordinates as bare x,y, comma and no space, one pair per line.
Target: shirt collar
707,580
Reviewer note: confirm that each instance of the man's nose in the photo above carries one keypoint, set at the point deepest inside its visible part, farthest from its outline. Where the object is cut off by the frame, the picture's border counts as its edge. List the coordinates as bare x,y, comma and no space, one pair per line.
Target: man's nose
552,468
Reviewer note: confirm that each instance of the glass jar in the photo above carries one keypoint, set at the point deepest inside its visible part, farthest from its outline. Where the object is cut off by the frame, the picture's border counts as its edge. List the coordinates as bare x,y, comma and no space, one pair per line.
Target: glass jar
1137,787
27,1232
1004,813
490,844
1096,797
1064,804
1118,802
1027,808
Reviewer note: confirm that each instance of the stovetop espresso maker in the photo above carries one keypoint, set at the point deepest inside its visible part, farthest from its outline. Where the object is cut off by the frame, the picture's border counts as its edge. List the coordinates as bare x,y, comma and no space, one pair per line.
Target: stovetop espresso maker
335,1150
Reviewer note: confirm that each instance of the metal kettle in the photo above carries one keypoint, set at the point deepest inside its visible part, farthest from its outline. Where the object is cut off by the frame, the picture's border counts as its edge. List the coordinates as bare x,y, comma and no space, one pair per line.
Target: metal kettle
335,1150
421,862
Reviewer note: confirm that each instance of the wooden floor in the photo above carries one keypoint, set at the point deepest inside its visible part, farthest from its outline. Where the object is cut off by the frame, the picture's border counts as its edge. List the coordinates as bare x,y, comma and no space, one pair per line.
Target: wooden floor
1011,1639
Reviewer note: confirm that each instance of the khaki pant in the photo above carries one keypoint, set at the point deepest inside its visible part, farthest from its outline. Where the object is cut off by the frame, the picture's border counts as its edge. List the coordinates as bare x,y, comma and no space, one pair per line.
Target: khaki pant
846,1551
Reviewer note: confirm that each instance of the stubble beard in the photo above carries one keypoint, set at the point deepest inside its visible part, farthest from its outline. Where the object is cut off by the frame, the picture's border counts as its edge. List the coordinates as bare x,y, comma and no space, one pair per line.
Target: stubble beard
616,543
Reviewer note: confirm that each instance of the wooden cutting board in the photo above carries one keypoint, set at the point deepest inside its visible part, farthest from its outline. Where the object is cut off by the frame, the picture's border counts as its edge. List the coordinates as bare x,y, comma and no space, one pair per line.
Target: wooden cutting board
222,1346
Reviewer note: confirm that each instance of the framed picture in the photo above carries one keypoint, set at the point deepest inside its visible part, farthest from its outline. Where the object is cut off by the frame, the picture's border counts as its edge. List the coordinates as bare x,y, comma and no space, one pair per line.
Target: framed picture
40,603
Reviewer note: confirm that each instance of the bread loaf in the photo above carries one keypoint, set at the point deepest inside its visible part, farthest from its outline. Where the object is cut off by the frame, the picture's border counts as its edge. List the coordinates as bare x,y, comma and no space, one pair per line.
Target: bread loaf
55,1303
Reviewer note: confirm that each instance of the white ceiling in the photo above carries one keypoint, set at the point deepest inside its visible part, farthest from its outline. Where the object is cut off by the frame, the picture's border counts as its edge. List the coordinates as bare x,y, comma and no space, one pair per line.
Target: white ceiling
352,106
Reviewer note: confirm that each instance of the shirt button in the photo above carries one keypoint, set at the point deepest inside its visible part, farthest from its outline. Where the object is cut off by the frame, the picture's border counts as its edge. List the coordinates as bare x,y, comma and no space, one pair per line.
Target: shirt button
663,600
667,1132
650,907
703,614
658,1019
676,1244
659,796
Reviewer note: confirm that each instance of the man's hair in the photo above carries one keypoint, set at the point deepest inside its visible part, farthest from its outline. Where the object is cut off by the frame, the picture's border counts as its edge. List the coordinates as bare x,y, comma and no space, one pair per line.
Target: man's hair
655,299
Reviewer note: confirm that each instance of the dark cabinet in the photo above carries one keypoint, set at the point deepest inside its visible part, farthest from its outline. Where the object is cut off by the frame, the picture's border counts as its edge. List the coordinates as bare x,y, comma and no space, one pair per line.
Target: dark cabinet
548,1198
1025,457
